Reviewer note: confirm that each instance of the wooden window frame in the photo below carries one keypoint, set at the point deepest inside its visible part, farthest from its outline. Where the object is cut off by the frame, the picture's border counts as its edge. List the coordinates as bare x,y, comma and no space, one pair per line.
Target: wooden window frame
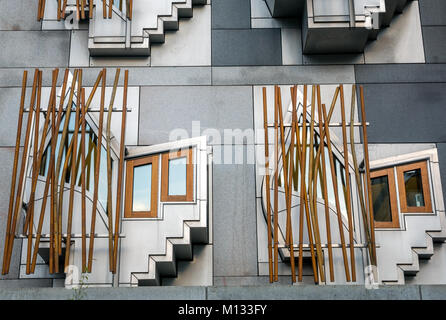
422,165
189,196
131,164
389,172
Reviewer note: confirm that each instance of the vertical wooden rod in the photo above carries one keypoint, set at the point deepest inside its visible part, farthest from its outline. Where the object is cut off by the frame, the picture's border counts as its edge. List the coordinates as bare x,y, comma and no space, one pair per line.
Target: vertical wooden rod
120,170
14,172
347,185
96,175
367,166
276,187
267,185
336,194
90,11
104,9
83,192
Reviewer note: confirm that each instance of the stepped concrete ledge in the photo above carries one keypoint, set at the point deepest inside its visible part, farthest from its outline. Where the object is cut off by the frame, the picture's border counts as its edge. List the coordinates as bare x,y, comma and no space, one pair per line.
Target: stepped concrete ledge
272,292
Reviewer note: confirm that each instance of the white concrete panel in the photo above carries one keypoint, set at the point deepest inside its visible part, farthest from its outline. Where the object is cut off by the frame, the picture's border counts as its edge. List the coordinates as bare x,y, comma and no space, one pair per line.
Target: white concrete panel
190,45
402,42
79,54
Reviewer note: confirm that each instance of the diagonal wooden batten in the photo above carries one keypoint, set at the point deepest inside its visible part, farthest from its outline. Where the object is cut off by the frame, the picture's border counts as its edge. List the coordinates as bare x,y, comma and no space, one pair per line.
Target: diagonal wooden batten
83,192
358,175
51,111
336,195
64,7
20,184
96,175
57,206
39,6
42,9
35,173
347,185
267,186
73,174
312,197
109,171
276,187
304,197
324,187
14,171
120,170
369,184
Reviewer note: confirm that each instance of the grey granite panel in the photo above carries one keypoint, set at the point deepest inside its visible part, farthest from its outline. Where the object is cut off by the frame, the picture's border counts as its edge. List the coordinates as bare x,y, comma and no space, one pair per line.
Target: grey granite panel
163,109
246,47
9,114
234,224
435,44
231,14
306,292
26,283
282,75
148,293
432,12
250,281
401,73
333,58
7,159
19,15
406,112
433,292
34,48
442,160
12,77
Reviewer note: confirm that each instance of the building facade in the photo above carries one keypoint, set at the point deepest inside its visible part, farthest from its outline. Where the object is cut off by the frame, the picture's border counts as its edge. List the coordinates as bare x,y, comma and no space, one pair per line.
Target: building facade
198,107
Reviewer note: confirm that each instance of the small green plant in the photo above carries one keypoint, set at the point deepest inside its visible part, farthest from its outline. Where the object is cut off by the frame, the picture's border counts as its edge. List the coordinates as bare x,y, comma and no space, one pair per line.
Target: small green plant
79,292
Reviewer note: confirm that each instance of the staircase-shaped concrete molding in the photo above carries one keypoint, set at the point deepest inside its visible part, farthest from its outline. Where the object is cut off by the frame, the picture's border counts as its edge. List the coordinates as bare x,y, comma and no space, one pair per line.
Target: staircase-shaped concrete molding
120,36
400,250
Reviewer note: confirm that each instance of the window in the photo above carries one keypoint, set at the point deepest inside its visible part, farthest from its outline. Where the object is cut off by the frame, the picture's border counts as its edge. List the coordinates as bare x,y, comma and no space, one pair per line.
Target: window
141,199
385,208
414,187
177,176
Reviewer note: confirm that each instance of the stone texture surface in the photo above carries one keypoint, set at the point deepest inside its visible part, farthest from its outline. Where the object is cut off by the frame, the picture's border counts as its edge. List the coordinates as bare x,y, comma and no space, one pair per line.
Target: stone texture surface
400,73
231,14
432,12
246,47
34,48
19,16
435,44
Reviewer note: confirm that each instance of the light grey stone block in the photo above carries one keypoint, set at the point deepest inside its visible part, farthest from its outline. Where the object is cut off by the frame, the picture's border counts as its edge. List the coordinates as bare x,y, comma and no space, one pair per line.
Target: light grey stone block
19,15
265,23
291,47
34,48
402,42
282,75
209,110
26,283
10,105
433,292
400,73
314,293
79,54
234,217
259,9
333,58
250,281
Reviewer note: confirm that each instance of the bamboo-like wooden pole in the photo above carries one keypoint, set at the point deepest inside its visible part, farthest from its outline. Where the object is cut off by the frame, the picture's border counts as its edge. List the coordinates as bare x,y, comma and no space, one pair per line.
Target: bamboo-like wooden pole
367,167
267,185
109,170
90,11
96,176
120,170
321,152
110,9
20,186
336,194
42,9
130,9
311,183
77,10
104,9
347,185
35,173
73,175
83,191
59,9
83,9
50,111
357,174
290,182
64,7
301,156
39,7
14,172
276,186
58,206
285,182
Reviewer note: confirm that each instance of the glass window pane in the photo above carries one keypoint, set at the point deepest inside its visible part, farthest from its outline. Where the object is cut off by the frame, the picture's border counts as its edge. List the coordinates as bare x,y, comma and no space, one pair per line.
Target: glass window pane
142,182
177,176
414,188
381,199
